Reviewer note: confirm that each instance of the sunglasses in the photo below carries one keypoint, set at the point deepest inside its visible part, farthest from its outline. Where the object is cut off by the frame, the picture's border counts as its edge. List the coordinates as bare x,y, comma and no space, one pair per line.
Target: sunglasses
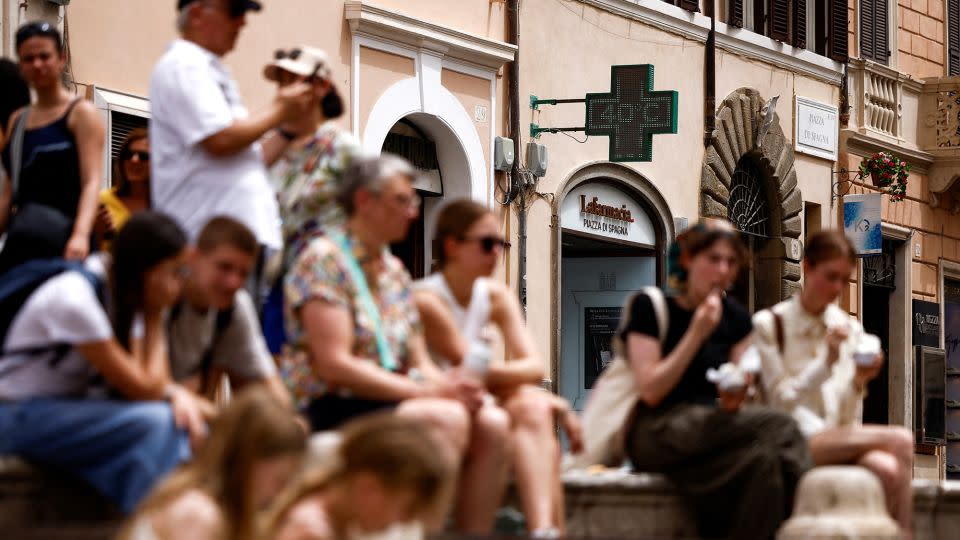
140,154
38,28
487,243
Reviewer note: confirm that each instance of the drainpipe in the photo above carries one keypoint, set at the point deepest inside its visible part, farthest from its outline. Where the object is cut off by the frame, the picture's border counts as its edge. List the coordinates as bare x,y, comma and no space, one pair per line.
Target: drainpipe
516,177
709,76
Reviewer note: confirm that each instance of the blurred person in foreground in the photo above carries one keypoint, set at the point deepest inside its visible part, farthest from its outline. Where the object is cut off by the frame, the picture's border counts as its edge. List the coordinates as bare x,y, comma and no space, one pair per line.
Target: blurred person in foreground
351,312
812,370
254,449
213,330
738,467
87,390
307,175
457,304
384,473
205,147
58,160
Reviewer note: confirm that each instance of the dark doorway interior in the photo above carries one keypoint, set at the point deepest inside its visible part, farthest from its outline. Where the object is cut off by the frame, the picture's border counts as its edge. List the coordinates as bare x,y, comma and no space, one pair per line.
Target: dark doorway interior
879,284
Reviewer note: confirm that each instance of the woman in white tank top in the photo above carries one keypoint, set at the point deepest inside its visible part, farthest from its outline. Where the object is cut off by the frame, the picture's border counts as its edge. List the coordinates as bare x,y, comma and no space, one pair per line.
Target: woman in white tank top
456,305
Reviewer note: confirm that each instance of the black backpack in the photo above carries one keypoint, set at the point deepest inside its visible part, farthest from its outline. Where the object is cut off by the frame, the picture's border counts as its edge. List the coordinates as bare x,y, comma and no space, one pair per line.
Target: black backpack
16,286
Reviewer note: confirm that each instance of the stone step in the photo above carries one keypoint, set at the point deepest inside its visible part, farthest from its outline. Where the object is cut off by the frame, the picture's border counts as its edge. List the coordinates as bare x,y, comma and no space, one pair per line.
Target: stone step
37,503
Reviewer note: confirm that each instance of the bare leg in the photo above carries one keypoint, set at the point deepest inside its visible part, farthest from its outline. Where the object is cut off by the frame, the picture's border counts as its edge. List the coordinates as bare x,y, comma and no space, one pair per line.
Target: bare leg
484,476
450,425
536,458
887,451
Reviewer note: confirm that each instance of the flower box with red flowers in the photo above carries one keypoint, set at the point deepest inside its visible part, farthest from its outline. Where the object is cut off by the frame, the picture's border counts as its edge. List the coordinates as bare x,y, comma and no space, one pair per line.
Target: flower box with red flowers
887,172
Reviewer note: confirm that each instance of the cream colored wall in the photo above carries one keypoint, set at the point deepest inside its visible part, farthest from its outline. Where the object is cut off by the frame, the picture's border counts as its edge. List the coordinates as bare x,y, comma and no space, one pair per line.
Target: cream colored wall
378,71
477,17
567,50
471,92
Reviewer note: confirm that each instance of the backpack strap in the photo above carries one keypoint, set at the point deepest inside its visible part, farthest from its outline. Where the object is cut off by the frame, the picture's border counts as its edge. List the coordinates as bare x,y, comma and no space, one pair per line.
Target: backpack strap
222,321
778,328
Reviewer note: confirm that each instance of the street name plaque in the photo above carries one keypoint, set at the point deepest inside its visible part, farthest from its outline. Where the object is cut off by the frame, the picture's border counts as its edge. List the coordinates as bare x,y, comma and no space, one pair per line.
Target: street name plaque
631,113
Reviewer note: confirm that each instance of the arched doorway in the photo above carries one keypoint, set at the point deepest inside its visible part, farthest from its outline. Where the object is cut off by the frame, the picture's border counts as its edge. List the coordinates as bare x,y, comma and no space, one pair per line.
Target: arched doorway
748,176
611,243
751,211
445,173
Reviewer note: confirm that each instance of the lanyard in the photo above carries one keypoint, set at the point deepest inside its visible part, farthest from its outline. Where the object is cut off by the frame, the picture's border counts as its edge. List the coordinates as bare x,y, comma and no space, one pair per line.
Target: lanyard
366,299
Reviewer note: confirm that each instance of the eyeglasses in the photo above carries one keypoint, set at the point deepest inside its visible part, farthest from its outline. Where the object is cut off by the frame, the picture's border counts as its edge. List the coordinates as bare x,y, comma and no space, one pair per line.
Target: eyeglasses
410,202
139,154
487,243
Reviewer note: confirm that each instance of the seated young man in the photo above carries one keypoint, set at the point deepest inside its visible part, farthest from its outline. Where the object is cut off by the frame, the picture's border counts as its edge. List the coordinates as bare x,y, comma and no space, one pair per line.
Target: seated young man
214,329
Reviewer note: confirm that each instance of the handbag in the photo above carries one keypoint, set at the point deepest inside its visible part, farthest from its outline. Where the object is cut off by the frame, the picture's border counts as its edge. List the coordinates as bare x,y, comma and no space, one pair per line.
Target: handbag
615,395
34,231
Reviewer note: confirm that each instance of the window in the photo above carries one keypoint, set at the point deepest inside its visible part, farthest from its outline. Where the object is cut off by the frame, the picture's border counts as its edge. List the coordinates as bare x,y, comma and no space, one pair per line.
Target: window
689,5
121,114
874,30
953,37
820,25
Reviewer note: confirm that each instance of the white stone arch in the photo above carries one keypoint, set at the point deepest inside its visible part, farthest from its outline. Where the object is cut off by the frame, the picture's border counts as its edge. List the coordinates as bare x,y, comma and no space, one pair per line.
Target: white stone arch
425,102
441,115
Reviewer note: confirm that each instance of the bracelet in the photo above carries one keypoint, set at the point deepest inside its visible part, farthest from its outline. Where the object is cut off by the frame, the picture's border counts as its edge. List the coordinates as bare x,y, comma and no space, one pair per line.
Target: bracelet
288,135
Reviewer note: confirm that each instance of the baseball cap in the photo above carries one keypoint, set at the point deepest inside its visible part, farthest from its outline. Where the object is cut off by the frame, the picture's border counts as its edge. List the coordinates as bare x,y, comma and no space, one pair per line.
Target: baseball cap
303,61
237,7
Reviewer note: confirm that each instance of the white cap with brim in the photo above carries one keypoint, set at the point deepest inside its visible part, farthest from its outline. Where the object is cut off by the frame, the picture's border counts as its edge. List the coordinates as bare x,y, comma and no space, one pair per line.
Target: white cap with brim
302,61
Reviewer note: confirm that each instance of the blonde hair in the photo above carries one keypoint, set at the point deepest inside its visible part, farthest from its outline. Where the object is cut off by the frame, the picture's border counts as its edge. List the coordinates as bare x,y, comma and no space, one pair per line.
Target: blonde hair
253,427
399,452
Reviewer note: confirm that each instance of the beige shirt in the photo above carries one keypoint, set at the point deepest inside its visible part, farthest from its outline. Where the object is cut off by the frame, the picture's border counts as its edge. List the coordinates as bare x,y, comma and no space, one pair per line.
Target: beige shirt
799,381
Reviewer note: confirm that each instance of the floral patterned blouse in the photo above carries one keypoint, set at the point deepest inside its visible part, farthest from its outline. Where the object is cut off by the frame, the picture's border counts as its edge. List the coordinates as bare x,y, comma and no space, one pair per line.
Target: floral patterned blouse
306,181
320,272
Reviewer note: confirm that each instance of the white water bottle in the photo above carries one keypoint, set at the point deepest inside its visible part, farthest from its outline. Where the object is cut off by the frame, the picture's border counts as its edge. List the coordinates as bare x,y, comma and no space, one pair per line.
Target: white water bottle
477,360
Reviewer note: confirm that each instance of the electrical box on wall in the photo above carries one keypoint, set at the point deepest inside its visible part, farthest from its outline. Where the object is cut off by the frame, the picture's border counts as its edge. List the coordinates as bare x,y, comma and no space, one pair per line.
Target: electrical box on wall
503,154
537,159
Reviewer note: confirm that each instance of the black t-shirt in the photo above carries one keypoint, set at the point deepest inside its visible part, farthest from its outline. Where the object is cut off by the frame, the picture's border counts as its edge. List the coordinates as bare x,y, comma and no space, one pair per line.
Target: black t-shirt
734,325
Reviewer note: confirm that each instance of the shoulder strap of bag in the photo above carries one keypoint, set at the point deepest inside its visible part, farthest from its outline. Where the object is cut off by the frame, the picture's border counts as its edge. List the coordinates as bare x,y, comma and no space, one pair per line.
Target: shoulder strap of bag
366,299
659,302
778,328
16,150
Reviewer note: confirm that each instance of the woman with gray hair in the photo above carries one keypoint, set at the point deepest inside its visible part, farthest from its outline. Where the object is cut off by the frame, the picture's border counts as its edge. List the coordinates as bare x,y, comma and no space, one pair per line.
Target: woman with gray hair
350,309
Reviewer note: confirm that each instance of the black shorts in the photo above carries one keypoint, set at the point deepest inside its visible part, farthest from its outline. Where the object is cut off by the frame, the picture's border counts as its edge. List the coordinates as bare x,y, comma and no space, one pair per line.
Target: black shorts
331,411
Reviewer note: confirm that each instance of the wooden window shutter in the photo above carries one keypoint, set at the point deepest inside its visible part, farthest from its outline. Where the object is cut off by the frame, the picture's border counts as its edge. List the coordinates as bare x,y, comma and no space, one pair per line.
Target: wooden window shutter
837,31
881,31
800,23
735,17
867,29
953,37
780,20
691,5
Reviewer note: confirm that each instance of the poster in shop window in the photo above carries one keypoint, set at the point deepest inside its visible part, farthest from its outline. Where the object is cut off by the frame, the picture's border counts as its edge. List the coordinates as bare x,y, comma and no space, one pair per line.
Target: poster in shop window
862,223
599,327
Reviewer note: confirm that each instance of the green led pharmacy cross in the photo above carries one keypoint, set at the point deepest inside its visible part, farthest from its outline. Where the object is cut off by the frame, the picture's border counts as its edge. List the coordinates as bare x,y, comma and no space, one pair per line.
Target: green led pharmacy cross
631,113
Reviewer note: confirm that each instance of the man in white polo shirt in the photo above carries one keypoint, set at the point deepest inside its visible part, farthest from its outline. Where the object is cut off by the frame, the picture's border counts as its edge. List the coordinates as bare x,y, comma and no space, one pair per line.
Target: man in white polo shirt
207,159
